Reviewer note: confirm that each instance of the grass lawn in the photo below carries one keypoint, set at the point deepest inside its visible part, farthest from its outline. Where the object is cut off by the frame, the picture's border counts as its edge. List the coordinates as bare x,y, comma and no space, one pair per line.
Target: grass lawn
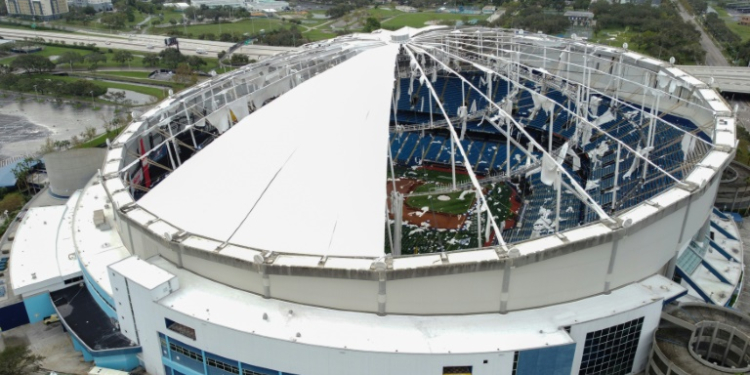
102,139
153,91
127,74
240,27
421,19
317,34
451,203
742,31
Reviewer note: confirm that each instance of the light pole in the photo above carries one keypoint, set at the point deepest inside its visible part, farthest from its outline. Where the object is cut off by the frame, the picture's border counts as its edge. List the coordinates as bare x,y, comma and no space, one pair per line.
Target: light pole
36,94
92,96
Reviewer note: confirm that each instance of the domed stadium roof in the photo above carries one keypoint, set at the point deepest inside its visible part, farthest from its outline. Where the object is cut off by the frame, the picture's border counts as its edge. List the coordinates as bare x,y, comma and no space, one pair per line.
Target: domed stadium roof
484,136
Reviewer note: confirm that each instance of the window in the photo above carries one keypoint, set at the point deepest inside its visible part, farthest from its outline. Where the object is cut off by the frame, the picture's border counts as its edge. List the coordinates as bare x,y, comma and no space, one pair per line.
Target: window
611,350
180,328
255,370
221,365
515,363
176,349
457,370
73,280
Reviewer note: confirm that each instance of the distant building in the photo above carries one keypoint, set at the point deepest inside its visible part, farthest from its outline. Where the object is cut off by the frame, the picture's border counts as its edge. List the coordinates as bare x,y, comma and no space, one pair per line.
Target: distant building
489,9
180,7
745,20
37,9
406,9
580,18
98,5
268,6
219,3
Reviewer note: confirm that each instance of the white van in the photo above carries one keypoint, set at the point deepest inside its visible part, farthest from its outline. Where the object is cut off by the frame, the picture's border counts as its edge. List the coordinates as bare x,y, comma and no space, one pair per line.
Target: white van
201,51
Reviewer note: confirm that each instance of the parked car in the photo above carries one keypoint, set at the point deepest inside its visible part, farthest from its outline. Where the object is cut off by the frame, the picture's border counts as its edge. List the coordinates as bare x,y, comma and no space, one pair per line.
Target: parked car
51,319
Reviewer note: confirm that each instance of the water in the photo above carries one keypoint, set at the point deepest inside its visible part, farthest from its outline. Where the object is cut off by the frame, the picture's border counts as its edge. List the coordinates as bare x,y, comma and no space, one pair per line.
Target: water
25,125
135,98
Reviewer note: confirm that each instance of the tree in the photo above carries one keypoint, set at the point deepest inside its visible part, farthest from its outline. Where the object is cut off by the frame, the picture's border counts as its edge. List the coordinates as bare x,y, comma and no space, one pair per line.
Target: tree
93,59
70,58
371,24
184,75
123,57
47,147
196,62
172,21
88,134
171,57
21,172
151,60
338,11
114,20
33,63
18,360
239,59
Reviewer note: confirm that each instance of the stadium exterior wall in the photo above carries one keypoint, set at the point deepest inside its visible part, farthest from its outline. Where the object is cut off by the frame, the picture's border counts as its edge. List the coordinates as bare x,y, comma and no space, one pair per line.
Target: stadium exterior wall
295,358
590,261
287,356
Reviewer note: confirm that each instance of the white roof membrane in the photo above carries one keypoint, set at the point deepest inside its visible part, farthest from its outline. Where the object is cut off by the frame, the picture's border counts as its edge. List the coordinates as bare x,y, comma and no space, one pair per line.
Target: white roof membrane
304,174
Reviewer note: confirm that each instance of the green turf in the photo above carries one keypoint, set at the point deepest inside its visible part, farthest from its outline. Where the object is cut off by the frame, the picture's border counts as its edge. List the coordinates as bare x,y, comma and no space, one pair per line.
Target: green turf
454,206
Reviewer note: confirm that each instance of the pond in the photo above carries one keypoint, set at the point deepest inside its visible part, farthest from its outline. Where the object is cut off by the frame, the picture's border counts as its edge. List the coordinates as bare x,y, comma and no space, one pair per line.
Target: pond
24,125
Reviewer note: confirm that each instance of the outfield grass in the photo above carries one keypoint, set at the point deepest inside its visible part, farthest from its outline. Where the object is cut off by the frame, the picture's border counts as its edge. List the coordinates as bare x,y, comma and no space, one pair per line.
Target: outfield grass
453,206
240,27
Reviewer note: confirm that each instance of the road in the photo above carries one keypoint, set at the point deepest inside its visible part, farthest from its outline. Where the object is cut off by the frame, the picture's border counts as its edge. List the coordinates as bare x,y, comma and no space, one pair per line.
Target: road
145,43
714,57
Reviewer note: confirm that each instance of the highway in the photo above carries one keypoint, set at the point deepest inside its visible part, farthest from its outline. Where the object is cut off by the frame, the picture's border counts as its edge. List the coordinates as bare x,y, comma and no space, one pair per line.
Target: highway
145,43
714,57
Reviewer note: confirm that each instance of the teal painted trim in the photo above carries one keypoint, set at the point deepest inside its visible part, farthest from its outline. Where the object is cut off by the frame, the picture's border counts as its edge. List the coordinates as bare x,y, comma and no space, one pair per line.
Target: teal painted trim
179,367
104,300
38,307
205,362
122,362
81,348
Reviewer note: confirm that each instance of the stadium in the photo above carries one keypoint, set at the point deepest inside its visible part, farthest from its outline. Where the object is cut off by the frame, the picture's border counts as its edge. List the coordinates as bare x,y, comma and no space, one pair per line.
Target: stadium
422,201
